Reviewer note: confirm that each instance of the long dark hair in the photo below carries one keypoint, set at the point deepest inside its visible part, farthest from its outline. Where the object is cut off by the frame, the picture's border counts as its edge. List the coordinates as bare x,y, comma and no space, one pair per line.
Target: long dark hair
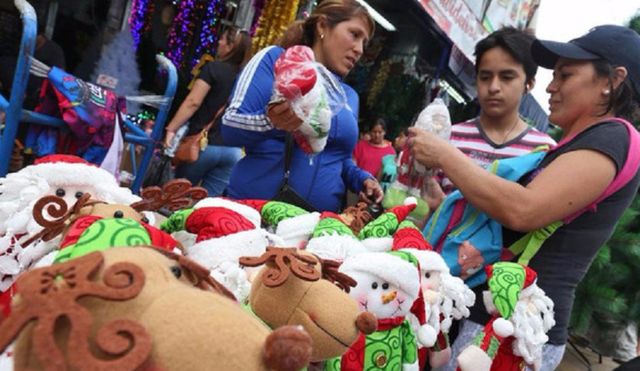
240,46
303,32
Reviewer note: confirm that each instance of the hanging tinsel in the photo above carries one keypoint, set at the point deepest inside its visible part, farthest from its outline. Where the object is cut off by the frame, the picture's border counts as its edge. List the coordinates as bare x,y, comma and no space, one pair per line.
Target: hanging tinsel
209,31
276,16
140,19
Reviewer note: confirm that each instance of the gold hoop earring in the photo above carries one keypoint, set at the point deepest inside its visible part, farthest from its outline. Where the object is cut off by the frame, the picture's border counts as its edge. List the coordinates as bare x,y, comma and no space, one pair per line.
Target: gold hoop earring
606,92
322,36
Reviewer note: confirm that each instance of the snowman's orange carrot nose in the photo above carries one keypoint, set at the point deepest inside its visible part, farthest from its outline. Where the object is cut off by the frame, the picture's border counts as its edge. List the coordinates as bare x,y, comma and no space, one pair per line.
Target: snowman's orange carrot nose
386,299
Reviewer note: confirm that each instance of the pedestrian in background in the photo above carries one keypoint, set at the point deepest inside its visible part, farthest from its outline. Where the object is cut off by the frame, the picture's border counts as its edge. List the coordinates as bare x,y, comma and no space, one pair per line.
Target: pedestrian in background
337,31
210,92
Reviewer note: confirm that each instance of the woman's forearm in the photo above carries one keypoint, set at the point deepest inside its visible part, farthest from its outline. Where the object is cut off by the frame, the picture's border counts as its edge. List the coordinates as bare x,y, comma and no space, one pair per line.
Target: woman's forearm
185,112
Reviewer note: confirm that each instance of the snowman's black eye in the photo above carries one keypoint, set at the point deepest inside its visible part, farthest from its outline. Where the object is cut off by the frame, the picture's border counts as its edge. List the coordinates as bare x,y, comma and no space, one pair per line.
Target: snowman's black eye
385,286
374,285
176,271
118,214
79,194
60,192
427,275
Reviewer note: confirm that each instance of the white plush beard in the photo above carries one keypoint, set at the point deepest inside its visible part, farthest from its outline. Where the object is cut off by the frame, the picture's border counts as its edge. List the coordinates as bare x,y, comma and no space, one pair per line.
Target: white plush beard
530,334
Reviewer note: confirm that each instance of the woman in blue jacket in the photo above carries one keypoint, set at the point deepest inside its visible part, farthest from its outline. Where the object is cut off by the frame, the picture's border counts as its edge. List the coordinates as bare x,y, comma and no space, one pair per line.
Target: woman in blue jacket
337,31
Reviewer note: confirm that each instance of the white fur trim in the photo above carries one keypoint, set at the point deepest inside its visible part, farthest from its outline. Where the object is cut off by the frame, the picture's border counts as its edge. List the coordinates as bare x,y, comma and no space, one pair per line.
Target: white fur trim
473,358
527,291
70,173
229,248
411,366
248,212
335,247
429,260
503,328
410,201
297,230
427,336
378,244
487,299
393,269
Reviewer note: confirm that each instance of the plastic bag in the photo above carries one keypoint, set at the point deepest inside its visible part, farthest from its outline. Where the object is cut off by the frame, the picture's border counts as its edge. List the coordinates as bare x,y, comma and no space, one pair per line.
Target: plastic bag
314,93
411,175
159,171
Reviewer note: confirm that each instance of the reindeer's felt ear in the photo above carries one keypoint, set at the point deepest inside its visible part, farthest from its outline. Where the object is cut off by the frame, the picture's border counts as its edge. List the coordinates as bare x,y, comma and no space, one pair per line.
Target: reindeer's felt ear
198,275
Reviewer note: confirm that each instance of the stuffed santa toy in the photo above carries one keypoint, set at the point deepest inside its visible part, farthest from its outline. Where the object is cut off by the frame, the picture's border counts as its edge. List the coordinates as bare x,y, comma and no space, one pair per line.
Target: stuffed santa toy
388,285
332,239
226,230
66,176
291,223
315,95
522,316
410,180
377,235
444,297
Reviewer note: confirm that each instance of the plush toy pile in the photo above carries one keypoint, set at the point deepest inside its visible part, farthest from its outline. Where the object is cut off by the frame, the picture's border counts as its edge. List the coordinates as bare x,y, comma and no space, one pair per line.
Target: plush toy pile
234,285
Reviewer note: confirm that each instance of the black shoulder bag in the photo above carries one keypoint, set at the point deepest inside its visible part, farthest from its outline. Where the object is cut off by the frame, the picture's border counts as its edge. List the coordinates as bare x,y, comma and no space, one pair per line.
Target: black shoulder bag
286,193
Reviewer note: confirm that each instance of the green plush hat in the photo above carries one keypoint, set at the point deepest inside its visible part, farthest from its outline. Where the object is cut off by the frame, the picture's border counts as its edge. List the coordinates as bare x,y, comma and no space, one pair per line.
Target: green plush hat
376,236
507,283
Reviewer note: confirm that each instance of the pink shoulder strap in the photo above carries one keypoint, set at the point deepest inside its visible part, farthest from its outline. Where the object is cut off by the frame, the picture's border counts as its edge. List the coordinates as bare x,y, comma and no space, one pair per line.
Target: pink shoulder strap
629,169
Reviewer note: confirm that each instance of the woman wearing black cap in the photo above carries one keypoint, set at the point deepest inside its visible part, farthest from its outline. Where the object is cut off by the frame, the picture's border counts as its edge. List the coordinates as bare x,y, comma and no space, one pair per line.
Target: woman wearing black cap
596,78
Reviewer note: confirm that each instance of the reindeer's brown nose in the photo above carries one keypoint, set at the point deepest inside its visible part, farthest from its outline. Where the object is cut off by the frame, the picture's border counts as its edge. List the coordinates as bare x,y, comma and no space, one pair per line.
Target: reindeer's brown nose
367,323
386,299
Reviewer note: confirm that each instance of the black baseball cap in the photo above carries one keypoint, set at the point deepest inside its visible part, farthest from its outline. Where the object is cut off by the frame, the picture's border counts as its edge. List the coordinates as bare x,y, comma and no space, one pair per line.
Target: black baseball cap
618,45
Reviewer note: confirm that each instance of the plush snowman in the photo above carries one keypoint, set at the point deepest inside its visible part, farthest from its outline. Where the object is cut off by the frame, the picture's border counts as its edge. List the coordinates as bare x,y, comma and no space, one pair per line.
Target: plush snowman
388,284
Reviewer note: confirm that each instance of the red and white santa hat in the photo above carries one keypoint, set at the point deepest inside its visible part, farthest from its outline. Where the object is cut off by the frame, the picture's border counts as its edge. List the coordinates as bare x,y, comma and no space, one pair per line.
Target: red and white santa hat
61,169
226,230
292,223
409,239
376,236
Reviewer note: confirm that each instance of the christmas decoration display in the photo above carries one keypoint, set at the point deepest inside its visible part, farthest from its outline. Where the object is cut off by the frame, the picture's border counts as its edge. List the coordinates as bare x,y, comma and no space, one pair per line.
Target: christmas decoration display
445,297
66,176
274,19
411,175
315,95
522,315
208,33
296,288
110,311
388,284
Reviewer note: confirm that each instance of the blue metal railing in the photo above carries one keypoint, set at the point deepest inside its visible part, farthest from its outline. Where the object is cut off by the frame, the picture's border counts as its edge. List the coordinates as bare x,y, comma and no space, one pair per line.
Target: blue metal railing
16,114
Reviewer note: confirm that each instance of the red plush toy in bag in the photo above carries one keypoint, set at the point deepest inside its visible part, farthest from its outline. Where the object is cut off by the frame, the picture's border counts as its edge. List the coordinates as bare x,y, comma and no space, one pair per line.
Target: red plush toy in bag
314,93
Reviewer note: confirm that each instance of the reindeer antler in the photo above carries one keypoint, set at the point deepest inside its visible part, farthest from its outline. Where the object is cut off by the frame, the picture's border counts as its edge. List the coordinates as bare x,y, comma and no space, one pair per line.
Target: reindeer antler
330,273
56,207
360,216
282,261
174,195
